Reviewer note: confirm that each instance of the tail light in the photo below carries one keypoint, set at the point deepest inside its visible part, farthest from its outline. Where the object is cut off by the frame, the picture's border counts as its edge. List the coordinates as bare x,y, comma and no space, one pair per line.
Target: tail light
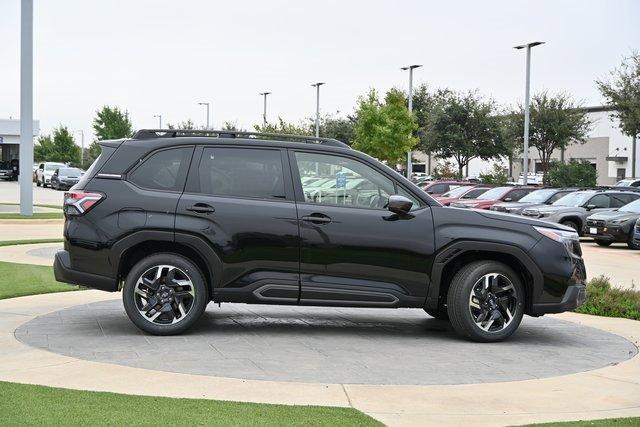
80,202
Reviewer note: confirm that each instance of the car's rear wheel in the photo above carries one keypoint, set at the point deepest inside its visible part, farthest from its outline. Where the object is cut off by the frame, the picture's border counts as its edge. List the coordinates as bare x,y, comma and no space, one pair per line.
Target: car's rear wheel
603,242
486,301
164,294
38,182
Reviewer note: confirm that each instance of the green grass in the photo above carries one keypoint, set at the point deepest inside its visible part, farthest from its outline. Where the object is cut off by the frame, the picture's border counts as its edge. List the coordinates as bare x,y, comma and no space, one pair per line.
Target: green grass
36,215
22,404
611,422
28,242
605,300
17,280
41,205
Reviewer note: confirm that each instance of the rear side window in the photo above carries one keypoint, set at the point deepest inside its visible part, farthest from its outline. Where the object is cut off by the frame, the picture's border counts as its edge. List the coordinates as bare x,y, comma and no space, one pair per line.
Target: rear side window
619,200
241,172
97,164
472,194
516,195
163,170
557,196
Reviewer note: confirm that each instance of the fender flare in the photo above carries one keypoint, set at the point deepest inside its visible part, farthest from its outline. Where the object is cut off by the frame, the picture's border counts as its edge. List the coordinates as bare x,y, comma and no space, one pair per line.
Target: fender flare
452,251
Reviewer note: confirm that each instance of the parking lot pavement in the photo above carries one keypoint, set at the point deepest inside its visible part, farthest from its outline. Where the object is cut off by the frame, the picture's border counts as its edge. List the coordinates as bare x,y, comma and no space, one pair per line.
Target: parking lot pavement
10,193
619,263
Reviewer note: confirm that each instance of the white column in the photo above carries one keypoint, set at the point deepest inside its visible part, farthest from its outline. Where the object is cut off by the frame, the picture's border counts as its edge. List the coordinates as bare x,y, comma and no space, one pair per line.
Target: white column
26,107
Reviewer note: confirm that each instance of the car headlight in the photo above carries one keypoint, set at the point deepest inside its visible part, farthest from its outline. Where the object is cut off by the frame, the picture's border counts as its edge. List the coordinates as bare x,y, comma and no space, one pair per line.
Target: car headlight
569,239
616,221
511,209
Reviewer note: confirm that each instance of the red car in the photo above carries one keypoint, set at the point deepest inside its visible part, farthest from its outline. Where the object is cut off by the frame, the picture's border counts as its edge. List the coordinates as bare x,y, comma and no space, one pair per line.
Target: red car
436,188
495,195
466,192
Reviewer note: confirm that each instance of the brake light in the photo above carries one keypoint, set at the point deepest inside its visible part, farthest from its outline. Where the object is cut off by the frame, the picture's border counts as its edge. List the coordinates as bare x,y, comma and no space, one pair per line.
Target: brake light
80,202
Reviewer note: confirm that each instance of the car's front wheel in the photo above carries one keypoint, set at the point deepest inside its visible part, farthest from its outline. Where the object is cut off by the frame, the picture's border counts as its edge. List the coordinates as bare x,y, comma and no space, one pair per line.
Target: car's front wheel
485,301
630,242
164,294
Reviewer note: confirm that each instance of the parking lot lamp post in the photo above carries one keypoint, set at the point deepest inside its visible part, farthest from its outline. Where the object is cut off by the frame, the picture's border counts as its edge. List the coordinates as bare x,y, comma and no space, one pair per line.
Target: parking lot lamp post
159,116
264,109
410,106
317,86
525,166
207,105
81,132
26,106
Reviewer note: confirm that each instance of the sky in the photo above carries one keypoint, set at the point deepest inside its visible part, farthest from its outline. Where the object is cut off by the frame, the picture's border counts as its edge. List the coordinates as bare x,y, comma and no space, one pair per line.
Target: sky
163,57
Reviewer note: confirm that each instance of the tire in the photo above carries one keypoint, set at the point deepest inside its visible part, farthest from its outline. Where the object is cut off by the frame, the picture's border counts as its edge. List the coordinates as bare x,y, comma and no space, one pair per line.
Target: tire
630,243
37,182
603,243
572,224
460,299
440,313
194,296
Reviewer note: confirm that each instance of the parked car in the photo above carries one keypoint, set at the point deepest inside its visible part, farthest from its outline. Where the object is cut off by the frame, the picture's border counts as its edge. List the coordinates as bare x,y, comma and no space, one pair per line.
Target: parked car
65,178
436,188
629,182
545,196
180,218
45,171
636,234
9,170
614,226
466,192
493,196
573,209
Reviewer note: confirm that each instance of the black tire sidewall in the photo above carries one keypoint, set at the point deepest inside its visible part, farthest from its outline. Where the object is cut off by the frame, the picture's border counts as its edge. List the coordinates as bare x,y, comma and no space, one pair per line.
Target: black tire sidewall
603,243
458,300
184,264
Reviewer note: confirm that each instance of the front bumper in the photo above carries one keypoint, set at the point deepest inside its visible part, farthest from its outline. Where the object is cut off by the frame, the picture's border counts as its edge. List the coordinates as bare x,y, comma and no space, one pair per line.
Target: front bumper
574,297
63,272
609,233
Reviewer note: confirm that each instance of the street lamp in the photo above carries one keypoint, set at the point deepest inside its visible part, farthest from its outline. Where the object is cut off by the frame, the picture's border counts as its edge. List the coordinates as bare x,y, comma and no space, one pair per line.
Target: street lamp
264,109
81,132
317,86
207,105
159,116
26,106
410,68
525,167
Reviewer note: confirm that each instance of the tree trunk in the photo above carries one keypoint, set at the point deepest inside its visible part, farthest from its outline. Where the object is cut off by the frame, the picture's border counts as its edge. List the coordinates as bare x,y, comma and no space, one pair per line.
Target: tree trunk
460,167
634,171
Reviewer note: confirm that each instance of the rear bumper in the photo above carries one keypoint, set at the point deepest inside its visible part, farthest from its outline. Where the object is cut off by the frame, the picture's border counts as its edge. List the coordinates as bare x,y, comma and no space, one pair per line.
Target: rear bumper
64,273
574,297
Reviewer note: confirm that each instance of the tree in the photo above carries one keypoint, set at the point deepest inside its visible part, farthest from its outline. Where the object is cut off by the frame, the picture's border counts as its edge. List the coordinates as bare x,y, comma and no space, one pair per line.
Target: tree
623,92
385,130
573,174
497,176
109,123
184,125
283,127
232,126
464,127
556,123
340,128
59,147
444,170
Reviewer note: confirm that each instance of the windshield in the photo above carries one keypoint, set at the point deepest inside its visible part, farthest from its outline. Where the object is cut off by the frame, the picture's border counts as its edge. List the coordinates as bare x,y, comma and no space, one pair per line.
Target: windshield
53,166
69,172
538,196
624,183
633,207
457,192
494,193
573,199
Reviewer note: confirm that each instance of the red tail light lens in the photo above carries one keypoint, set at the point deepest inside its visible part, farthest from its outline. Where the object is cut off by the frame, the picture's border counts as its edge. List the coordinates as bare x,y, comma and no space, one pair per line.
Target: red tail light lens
80,202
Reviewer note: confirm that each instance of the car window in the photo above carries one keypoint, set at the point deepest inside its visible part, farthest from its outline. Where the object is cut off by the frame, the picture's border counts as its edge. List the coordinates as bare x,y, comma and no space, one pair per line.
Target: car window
438,189
163,170
516,195
372,188
242,172
600,201
633,207
472,194
457,191
627,198
557,196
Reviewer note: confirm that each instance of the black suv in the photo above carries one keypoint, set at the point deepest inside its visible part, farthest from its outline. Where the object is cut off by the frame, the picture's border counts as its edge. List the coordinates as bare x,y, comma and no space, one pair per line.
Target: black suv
176,219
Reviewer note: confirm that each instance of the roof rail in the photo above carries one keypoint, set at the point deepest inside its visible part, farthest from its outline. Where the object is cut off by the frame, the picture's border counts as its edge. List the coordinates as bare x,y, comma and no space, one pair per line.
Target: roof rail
614,188
174,133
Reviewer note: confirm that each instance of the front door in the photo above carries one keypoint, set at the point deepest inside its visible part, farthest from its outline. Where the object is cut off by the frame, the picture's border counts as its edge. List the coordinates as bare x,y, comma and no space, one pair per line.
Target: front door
240,200
353,251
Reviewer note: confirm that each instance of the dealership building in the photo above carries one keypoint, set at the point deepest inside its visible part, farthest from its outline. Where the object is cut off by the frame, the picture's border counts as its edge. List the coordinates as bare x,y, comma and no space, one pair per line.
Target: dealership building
607,149
10,138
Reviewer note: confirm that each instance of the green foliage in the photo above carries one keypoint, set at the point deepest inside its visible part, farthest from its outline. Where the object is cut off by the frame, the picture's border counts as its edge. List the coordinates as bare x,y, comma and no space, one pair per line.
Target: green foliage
604,300
233,126
31,405
340,128
463,127
385,130
284,128
184,125
59,147
444,170
112,123
497,176
556,123
608,422
623,92
575,173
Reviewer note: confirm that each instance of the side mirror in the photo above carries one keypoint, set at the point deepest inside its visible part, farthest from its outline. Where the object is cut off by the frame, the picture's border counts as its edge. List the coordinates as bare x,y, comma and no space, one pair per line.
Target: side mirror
508,199
399,204
591,207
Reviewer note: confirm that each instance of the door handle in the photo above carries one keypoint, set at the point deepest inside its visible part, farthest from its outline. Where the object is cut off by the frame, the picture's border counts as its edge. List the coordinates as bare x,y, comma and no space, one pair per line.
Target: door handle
201,208
317,218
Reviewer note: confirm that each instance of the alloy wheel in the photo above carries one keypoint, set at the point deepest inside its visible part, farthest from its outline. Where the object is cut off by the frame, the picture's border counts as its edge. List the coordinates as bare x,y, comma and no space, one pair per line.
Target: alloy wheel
164,295
493,302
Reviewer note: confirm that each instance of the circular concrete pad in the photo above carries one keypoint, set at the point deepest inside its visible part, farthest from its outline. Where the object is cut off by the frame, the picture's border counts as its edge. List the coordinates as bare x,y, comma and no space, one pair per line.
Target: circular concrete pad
48,252
326,345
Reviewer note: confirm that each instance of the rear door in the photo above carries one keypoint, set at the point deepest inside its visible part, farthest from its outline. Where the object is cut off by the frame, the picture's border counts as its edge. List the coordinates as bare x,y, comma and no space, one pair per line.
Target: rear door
240,201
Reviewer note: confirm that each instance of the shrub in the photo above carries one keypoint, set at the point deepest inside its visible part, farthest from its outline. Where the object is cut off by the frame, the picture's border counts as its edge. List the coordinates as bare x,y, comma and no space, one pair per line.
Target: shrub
575,173
604,300
444,170
497,176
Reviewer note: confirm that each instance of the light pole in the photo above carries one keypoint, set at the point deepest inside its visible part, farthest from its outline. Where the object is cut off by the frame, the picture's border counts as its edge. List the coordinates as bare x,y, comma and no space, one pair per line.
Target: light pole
81,132
264,108
207,105
410,106
317,86
159,116
26,107
525,166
